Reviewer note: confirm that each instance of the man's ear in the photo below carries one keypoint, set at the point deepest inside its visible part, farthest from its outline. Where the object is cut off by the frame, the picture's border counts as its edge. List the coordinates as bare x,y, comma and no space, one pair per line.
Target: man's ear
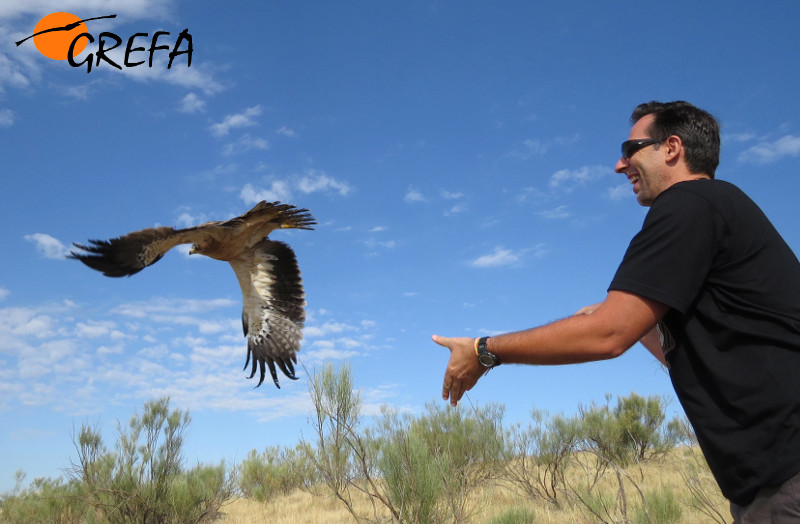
673,148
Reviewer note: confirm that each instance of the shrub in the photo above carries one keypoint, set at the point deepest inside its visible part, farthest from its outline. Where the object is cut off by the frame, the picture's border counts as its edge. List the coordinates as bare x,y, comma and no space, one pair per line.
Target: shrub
45,501
535,457
275,471
142,481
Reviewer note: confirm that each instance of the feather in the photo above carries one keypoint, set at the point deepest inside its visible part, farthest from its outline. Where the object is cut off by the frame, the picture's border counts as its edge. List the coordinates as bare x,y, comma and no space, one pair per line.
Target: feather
273,309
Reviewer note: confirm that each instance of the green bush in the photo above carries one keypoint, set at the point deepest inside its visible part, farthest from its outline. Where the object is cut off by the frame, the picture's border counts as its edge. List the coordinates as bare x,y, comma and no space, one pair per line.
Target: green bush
141,481
45,501
275,471
632,432
405,463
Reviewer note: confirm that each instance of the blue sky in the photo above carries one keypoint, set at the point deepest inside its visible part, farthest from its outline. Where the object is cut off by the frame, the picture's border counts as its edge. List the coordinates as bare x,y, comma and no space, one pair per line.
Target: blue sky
457,155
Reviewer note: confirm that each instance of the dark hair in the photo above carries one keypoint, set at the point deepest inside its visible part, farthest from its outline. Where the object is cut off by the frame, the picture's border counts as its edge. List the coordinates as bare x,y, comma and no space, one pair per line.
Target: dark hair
698,130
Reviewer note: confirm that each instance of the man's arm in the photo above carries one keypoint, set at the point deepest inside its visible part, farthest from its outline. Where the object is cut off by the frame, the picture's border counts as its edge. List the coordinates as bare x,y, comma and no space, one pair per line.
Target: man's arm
651,341
613,327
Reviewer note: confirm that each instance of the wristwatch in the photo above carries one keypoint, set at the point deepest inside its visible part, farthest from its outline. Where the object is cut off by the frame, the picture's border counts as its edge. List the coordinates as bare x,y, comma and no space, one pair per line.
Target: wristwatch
485,357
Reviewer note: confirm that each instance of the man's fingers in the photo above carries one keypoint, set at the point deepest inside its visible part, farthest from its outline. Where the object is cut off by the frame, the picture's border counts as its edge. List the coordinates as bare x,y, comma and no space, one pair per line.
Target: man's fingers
442,341
455,394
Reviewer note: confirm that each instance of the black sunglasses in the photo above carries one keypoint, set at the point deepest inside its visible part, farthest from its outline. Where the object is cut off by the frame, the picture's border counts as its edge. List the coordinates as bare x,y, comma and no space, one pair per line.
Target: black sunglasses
629,147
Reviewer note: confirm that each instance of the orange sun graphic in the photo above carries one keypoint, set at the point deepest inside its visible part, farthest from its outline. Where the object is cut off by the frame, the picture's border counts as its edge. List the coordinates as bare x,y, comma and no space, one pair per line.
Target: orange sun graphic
55,44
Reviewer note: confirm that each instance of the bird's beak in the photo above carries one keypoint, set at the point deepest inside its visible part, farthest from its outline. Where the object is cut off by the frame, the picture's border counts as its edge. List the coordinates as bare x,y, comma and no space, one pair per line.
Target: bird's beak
192,250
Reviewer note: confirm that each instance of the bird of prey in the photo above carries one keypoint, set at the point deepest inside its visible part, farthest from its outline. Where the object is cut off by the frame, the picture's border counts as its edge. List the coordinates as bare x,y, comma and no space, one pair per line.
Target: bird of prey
273,311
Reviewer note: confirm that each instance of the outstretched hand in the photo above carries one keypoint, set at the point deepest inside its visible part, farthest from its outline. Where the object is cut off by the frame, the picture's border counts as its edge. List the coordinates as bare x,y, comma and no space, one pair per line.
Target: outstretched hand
463,370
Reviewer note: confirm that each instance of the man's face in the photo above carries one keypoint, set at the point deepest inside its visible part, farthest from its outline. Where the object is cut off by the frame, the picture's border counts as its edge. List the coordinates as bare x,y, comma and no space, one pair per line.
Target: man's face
644,168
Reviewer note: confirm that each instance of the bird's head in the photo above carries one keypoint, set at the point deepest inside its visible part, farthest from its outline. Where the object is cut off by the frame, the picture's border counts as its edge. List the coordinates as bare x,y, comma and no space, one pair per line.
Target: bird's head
195,249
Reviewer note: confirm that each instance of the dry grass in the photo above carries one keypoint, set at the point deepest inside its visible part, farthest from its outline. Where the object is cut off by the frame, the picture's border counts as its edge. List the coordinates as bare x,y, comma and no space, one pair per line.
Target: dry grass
492,501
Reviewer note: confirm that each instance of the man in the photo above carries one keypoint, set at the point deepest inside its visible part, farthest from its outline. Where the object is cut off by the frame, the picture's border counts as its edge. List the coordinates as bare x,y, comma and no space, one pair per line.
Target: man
713,291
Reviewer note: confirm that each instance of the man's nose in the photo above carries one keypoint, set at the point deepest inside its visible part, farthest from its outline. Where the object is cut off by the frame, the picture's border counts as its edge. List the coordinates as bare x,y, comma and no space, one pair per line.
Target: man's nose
622,165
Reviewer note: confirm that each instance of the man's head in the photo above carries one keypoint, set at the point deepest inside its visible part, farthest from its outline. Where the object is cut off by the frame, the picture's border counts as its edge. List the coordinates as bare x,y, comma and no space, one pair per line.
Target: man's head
668,143
698,130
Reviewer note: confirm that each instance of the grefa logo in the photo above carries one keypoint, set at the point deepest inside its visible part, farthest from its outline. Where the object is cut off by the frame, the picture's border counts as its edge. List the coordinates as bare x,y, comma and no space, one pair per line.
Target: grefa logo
62,36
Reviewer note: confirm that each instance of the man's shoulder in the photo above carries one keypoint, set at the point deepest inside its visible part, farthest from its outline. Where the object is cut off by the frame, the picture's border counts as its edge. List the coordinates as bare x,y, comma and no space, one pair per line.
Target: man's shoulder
707,187
705,191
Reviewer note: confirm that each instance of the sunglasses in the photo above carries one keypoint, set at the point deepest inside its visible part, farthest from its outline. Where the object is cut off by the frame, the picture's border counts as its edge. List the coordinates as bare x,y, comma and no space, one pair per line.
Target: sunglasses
629,147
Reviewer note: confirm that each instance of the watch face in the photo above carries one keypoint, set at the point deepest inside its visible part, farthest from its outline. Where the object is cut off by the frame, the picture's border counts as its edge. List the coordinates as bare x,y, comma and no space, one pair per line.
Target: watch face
487,359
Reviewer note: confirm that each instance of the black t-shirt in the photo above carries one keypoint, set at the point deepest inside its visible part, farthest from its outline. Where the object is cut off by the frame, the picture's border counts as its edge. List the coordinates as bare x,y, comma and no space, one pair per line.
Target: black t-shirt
732,334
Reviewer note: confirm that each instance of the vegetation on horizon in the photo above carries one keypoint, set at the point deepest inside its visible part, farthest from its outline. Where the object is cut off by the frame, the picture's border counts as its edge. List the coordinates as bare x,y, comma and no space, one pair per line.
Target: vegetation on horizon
433,467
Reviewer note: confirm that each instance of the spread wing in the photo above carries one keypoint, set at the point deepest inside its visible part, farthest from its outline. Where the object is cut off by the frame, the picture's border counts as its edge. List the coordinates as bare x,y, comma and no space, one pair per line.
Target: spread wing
129,254
273,312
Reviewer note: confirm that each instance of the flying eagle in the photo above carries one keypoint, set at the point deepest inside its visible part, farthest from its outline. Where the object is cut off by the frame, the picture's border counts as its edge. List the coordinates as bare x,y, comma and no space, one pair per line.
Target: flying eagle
274,301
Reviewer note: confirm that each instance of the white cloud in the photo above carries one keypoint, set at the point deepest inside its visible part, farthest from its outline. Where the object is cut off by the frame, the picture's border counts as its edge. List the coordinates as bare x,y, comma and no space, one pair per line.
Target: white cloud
619,192
456,209
767,152
94,329
175,305
285,131
67,359
327,328
192,103
278,190
283,190
315,181
450,195
188,219
236,121
323,351
500,257
568,179
245,143
4,293
537,147
412,196
6,118
48,246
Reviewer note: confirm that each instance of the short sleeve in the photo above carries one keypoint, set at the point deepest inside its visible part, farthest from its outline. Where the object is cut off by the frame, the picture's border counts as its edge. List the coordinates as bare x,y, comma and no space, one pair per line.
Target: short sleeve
669,259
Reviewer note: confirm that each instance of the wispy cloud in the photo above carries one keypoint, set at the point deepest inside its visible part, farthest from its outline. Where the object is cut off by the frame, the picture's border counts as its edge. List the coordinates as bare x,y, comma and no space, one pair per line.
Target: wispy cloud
412,196
285,131
451,195
500,257
619,192
77,360
317,181
6,118
531,147
568,179
236,121
276,190
244,144
48,246
313,181
192,103
415,196
768,151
